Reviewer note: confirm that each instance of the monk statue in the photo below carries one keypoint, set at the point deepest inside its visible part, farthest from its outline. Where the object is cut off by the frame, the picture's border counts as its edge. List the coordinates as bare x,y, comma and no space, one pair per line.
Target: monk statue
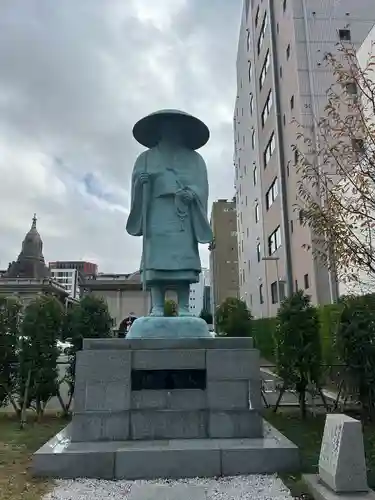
169,196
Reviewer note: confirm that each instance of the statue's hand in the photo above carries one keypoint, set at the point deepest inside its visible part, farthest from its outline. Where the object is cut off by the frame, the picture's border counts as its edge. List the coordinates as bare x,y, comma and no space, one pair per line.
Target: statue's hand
187,196
144,178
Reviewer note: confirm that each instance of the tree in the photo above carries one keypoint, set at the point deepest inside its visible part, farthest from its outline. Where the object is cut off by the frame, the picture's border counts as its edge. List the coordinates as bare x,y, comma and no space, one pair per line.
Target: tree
233,318
170,308
10,313
298,349
207,316
40,330
337,172
355,344
88,319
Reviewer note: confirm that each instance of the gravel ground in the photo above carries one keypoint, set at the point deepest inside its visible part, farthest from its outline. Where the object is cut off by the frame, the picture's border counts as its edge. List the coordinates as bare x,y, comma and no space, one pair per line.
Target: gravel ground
254,487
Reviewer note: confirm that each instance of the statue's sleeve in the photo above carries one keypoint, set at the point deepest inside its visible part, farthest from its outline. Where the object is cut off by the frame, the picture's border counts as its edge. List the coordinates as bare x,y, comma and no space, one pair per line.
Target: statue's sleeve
134,223
199,186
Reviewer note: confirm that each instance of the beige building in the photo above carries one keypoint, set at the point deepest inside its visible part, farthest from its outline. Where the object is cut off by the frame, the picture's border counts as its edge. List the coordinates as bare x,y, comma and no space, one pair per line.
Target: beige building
122,293
282,77
223,252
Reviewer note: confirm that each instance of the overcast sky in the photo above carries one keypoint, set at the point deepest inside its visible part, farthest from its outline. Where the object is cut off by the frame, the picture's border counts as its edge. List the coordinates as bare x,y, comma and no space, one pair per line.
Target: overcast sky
75,76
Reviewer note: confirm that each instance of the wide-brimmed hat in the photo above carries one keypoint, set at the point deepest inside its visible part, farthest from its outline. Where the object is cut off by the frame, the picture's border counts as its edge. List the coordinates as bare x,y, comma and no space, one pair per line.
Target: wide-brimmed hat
194,132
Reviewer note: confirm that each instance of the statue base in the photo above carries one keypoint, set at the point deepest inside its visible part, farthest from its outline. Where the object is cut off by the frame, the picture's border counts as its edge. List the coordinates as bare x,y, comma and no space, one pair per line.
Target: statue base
177,327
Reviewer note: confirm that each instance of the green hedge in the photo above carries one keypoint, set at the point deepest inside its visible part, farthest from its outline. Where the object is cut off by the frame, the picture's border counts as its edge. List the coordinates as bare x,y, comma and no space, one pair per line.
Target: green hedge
329,315
263,335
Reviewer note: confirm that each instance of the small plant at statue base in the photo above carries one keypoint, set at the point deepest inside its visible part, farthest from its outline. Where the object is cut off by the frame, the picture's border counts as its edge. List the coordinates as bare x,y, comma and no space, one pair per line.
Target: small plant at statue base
233,318
40,330
355,344
170,308
90,319
10,311
298,349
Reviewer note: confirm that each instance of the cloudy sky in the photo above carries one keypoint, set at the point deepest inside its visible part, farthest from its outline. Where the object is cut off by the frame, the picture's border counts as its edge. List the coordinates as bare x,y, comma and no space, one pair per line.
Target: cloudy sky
75,77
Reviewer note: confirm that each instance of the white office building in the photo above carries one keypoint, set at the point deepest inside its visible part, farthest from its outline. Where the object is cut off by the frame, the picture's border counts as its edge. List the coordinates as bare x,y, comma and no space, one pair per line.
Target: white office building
197,293
282,79
69,279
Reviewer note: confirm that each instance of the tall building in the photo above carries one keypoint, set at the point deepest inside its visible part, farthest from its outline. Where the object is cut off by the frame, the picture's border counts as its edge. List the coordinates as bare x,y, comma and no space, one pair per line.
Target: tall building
71,274
83,267
223,252
281,76
197,297
69,279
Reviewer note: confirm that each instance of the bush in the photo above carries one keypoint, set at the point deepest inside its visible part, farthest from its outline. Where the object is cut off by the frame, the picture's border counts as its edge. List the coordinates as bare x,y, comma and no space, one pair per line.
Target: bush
355,343
233,318
298,349
41,328
329,316
263,333
88,319
10,309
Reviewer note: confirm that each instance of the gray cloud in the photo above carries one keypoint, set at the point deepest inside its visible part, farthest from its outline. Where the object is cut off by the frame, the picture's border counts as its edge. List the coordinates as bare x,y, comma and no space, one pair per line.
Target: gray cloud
75,76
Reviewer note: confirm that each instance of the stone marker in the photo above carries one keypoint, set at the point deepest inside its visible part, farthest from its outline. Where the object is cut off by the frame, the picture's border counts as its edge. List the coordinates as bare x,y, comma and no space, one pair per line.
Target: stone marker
342,464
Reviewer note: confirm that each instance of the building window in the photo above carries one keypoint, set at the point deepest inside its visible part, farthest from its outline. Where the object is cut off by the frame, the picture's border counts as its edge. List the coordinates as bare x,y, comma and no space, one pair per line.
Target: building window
255,176
291,226
253,139
257,212
284,5
267,108
247,232
258,252
257,16
274,241
248,41
284,119
306,281
270,148
351,88
265,67
281,71
358,145
296,157
262,32
249,71
296,285
272,193
292,102
345,35
251,104
274,294
288,52
261,298
300,216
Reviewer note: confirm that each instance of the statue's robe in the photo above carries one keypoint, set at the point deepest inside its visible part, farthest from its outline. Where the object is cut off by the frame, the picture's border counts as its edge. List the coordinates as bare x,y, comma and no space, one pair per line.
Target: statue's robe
171,241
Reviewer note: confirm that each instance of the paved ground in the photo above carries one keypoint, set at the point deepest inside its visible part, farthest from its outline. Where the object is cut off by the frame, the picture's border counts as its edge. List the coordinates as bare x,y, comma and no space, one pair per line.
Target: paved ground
254,487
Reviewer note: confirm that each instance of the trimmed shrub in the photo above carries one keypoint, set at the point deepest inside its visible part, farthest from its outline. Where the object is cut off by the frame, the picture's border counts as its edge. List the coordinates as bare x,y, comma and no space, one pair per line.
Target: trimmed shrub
263,333
233,318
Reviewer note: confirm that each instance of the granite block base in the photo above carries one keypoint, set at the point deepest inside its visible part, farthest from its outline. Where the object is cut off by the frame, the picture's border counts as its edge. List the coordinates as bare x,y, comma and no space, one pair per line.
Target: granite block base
179,327
320,491
174,458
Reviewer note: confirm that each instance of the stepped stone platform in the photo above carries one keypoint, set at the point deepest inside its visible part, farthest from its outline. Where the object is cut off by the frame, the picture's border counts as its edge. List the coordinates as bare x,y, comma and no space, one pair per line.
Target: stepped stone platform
166,408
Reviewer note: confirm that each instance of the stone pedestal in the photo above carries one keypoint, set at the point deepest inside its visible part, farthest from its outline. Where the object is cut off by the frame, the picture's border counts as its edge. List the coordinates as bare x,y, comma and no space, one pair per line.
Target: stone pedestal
342,464
166,408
